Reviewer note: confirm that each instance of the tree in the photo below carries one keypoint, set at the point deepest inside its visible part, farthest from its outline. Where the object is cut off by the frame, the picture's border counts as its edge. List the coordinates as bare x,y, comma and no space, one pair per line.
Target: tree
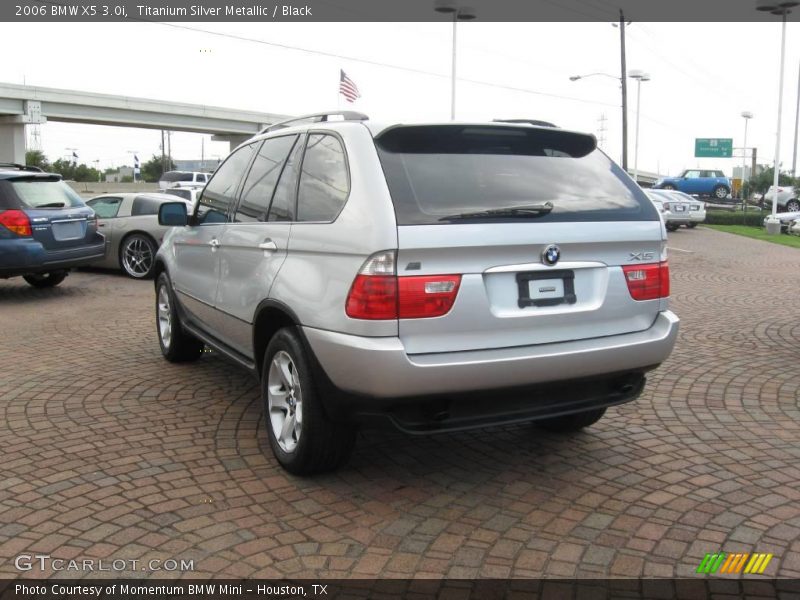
72,172
760,183
36,158
153,169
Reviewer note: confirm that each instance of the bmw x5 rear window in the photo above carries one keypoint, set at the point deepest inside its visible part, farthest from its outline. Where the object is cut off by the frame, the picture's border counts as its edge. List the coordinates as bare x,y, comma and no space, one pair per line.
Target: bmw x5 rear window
447,173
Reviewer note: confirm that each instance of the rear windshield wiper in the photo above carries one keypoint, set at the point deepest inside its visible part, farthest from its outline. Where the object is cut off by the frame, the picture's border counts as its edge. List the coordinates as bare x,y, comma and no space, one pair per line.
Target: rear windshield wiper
51,205
532,210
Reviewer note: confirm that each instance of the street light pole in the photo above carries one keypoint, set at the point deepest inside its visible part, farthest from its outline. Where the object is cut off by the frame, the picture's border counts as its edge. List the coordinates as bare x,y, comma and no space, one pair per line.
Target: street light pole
463,13
782,8
746,115
623,79
639,76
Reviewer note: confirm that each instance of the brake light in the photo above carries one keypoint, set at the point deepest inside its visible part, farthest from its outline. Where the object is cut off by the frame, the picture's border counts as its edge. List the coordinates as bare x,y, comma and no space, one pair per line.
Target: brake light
378,293
647,282
425,296
372,297
16,221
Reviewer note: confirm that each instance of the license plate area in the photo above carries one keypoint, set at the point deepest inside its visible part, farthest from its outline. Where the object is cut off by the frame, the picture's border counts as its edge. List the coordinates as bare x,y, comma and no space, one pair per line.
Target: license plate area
70,230
680,208
546,288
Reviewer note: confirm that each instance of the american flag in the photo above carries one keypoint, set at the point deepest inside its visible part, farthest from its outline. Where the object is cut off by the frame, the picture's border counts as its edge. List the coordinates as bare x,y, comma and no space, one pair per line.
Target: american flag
348,87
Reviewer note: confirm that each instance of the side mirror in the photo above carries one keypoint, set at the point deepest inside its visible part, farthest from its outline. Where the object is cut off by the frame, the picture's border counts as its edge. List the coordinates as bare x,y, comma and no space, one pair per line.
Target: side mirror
172,214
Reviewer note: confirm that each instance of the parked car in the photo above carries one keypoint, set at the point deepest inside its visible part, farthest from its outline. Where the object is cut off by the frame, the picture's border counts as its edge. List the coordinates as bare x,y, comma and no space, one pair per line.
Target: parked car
794,228
129,222
786,219
697,208
183,179
436,277
787,198
45,227
191,195
697,181
674,211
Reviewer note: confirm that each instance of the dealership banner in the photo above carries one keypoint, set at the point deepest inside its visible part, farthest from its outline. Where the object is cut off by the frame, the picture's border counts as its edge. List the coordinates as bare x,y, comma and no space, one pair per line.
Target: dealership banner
710,11
399,589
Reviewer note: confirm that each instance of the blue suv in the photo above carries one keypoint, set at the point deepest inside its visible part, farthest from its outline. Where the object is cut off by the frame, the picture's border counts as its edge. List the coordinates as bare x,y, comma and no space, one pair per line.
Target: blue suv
45,227
698,181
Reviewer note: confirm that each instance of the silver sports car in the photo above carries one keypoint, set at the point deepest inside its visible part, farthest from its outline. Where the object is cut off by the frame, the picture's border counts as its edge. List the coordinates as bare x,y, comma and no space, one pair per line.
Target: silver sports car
130,223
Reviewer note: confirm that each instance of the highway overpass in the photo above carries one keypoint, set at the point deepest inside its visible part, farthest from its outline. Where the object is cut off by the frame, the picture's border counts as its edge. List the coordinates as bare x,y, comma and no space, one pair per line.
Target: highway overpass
22,105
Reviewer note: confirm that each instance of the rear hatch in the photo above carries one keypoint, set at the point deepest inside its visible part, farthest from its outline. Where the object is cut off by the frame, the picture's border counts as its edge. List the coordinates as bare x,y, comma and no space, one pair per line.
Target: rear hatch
536,221
59,218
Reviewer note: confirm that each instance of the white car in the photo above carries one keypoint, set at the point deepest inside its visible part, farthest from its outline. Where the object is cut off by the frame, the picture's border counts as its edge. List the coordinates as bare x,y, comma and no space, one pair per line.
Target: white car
787,198
183,179
787,219
794,228
189,194
676,210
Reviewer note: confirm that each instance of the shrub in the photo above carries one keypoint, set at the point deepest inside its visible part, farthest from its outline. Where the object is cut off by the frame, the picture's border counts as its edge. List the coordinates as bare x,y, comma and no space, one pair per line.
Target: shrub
754,217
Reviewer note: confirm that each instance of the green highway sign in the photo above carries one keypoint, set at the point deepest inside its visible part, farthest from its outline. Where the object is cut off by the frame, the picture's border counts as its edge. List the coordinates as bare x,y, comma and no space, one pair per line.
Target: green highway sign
713,147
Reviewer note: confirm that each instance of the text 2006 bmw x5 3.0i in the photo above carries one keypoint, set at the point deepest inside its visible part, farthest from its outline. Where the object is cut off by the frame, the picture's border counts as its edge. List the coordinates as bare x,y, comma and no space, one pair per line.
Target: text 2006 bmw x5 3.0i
438,276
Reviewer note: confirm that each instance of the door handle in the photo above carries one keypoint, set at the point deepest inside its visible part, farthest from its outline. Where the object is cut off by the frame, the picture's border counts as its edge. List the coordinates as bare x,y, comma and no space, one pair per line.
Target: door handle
268,245
214,243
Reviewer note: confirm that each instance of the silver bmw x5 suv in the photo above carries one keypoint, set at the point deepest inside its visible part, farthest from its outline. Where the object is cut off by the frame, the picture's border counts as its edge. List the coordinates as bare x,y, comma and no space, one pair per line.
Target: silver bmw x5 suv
433,276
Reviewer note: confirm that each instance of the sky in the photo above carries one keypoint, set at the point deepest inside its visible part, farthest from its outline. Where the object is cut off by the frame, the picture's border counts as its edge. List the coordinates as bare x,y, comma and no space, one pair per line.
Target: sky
703,75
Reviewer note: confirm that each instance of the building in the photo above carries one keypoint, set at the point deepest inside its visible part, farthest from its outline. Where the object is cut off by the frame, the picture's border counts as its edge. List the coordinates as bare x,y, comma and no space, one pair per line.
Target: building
123,173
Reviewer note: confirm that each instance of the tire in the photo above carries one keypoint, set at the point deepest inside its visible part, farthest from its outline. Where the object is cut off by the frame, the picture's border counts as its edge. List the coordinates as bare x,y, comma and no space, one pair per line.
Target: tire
176,344
303,439
672,227
572,423
668,186
137,256
45,280
691,225
720,192
793,205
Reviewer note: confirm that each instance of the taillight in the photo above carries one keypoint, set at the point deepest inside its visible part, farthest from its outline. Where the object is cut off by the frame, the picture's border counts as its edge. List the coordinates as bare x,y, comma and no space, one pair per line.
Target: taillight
424,296
372,297
378,293
16,221
647,282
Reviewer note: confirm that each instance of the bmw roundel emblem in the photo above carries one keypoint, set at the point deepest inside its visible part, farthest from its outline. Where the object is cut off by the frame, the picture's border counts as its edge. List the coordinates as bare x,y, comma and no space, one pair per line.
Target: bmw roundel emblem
551,254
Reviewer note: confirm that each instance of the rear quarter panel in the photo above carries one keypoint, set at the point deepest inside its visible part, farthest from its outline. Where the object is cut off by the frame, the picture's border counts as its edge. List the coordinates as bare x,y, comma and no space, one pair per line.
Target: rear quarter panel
324,258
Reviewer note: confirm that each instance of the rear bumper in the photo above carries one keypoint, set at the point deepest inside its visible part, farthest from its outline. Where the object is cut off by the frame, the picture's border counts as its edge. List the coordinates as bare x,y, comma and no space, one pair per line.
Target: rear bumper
25,255
380,367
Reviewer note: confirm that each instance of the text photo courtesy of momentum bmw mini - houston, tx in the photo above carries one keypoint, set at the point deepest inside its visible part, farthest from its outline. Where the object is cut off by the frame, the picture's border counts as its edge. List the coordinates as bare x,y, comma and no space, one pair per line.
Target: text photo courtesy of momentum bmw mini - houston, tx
365,299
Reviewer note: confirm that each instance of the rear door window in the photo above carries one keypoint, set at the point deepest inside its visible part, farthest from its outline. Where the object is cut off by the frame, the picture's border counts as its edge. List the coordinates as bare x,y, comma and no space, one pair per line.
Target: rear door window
450,173
260,183
220,193
324,183
284,199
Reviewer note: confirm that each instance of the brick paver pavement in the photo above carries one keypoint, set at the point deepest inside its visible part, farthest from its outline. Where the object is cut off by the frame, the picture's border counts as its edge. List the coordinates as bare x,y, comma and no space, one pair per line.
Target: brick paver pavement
110,452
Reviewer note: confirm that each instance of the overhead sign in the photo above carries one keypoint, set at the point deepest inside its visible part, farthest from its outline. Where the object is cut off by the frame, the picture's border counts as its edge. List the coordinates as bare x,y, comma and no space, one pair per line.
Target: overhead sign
713,147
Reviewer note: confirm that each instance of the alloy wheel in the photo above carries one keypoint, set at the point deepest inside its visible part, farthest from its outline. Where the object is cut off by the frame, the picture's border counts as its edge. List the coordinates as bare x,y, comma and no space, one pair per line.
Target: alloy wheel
164,317
285,401
137,257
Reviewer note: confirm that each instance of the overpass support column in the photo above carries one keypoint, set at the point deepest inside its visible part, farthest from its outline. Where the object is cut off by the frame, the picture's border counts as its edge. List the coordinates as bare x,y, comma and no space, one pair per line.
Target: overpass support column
12,142
233,140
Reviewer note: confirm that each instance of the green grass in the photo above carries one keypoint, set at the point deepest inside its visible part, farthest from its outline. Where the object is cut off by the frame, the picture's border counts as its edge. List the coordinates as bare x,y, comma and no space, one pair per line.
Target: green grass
758,234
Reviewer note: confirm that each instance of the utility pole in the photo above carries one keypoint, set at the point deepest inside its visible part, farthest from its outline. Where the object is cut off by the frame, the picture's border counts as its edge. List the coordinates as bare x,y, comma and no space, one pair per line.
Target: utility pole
163,154
624,80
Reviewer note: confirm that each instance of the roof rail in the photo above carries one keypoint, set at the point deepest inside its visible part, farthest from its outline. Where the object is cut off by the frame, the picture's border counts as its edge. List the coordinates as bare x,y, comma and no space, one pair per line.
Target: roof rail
528,121
347,115
21,167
